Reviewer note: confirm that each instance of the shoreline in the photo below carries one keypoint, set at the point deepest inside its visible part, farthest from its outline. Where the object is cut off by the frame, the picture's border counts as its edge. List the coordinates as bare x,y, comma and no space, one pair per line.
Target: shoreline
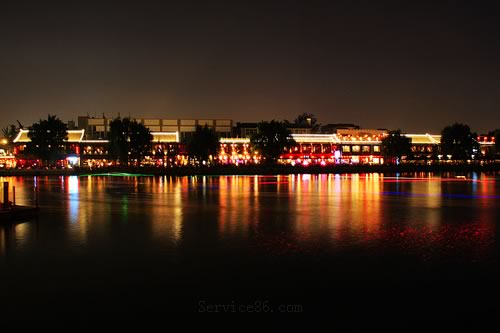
229,170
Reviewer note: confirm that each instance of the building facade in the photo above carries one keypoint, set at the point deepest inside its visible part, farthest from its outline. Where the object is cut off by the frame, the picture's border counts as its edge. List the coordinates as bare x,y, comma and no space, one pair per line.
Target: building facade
487,146
346,146
81,151
97,128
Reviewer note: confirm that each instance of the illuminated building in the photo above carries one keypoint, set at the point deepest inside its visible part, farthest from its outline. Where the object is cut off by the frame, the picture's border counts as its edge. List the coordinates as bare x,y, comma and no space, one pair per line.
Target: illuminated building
424,146
7,161
487,146
346,146
97,128
166,150
25,159
94,153
237,151
360,146
309,149
246,130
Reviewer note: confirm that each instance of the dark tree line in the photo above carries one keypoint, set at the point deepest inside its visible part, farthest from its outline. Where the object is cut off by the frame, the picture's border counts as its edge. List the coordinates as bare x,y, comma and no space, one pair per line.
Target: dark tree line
9,133
308,120
395,146
458,142
203,145
129,141
48,139
271,140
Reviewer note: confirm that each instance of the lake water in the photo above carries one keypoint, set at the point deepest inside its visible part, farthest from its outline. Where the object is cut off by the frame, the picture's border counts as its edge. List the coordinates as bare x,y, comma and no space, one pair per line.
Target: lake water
369,245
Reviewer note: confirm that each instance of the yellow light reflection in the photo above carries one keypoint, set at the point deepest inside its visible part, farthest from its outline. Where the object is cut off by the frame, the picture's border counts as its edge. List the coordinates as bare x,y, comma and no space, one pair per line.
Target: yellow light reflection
78,217
167,209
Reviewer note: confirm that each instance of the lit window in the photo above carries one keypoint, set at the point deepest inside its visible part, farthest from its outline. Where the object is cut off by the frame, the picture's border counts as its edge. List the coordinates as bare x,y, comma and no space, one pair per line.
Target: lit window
346,149
366,149
376,149
356,149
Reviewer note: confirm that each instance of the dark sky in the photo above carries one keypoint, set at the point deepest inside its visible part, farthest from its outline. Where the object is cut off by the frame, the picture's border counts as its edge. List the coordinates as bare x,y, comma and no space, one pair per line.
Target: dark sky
412,65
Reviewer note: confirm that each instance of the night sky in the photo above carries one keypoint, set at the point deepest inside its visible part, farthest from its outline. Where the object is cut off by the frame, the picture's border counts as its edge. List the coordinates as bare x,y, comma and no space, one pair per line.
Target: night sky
412,65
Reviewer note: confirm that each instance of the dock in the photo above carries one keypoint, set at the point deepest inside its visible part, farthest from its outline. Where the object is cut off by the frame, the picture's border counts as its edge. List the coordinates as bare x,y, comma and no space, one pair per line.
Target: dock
17,214
12,213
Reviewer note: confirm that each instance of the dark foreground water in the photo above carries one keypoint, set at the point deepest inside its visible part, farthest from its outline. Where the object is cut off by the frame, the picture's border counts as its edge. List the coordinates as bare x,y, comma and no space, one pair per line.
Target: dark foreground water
355,250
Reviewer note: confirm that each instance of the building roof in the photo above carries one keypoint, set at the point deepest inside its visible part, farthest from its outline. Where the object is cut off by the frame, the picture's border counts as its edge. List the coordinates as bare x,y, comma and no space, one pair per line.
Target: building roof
315,138
360,131
165,136
424,138
77,136
346,139
73,136
234,140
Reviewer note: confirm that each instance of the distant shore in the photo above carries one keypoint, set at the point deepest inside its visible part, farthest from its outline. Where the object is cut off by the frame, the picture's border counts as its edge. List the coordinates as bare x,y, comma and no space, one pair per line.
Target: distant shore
258,170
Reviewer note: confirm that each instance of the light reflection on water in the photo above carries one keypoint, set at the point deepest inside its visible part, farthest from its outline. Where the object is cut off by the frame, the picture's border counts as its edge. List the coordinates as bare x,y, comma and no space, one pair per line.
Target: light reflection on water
270,213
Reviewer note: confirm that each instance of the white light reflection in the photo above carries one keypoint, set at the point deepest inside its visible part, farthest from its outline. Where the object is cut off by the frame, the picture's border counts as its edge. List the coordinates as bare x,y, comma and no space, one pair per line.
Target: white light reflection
73,198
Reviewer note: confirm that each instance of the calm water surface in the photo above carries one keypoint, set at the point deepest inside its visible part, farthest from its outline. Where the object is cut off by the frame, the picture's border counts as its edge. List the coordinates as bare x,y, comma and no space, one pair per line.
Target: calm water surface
116,247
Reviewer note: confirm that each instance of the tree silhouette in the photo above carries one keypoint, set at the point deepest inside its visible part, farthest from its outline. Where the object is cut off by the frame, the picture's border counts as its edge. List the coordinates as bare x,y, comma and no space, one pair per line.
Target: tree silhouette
308,120
202,144
140,141
458,141
48,139
9,133
395,146
271,139
128,140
